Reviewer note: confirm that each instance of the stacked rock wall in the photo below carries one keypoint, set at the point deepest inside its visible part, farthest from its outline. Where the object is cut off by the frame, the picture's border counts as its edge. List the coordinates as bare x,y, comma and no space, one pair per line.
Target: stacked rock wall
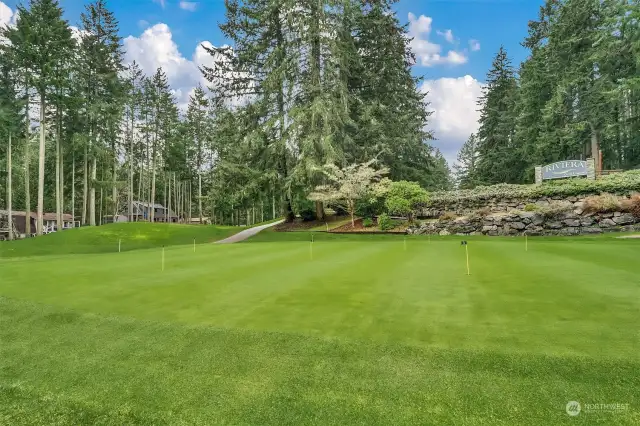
566,217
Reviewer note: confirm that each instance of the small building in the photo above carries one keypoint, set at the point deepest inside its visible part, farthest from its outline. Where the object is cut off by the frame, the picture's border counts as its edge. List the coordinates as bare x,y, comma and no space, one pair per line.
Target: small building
142,212
50,222
19,219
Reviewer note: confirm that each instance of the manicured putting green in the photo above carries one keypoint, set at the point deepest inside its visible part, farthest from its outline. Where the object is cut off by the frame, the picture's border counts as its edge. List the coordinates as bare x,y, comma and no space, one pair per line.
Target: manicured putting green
357,330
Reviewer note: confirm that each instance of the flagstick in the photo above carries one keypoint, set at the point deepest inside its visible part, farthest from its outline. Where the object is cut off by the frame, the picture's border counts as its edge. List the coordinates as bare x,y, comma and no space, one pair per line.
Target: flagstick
466,249
163,258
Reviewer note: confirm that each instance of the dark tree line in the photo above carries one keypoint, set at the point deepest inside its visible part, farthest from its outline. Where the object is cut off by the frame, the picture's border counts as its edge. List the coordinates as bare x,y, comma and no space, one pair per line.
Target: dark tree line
305,83
577,93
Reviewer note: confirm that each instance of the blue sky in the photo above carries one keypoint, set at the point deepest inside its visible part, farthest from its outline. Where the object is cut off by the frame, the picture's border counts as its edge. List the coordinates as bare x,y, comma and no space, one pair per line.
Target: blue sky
445,31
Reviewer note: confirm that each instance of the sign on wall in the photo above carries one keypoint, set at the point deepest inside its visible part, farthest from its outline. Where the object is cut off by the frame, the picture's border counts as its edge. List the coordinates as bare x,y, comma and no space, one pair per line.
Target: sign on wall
566,169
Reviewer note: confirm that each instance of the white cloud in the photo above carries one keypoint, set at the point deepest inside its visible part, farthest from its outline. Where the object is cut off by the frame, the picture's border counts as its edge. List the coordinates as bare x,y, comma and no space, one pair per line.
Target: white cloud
191,6
155,48
448,35
455,116
143,24
427,52
162,3
474,45
7,16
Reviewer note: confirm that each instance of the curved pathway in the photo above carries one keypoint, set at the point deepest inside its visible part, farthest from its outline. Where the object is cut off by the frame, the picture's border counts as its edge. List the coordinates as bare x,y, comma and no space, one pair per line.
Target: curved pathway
247,233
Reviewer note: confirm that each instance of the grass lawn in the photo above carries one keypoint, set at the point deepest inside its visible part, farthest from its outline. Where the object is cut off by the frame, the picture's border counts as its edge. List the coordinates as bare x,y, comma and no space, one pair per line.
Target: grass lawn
105,239
356,330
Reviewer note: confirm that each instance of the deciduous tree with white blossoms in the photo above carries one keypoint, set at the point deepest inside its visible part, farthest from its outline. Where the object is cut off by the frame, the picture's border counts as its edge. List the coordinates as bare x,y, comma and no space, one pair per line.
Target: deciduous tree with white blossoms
349,184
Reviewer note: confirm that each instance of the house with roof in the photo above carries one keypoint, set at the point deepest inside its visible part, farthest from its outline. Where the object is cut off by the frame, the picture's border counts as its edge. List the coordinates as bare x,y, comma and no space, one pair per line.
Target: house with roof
20,218
142,212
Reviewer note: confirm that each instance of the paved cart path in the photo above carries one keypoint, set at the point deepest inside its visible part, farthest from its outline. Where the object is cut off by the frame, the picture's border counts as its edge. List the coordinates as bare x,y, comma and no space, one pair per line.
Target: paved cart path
247,233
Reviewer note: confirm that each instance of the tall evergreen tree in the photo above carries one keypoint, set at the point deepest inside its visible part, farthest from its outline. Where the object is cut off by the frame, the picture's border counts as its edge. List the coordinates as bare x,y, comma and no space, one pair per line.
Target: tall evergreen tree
99,67
497,154
41,43
465,167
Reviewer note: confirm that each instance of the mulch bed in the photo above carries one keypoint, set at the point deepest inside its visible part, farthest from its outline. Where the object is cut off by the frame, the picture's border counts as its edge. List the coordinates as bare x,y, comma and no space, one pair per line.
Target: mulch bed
360,228
296,225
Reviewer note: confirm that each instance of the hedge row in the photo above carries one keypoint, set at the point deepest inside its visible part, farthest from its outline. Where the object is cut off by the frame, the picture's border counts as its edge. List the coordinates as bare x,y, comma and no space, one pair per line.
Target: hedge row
617,183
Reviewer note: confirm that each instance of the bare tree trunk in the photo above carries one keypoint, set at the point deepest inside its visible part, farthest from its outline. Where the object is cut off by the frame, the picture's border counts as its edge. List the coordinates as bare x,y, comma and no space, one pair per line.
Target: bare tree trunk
41,157
62,183
85,187
114,190
261,211
9,189
166,206
273,206
101,199
130,196
200,196
92,193
169,202
73,189
190,200
58,212
27,189
153,190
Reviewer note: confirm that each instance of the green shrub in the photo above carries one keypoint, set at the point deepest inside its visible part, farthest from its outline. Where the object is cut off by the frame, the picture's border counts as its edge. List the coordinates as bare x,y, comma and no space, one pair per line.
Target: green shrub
369,206
614,183
403,198
367,222
531,208
384,222
448,216
604,203
305,209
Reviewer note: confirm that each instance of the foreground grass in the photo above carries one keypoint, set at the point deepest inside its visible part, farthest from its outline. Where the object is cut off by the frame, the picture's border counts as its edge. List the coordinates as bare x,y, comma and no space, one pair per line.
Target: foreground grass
105,239
355,329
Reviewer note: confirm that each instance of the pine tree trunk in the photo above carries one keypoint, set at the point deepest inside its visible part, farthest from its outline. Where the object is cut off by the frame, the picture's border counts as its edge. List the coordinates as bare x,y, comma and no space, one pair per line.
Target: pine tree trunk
9,189
153,190
58,212
200,197
101,200
73,189
85,186
27,189
169,202
166,206
130,197
190,202
92,193
41,158
114,190
62,184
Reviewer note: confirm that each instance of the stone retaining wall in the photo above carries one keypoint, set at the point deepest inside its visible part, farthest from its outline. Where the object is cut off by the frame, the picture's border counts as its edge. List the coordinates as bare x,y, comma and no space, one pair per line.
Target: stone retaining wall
495,205
532,223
